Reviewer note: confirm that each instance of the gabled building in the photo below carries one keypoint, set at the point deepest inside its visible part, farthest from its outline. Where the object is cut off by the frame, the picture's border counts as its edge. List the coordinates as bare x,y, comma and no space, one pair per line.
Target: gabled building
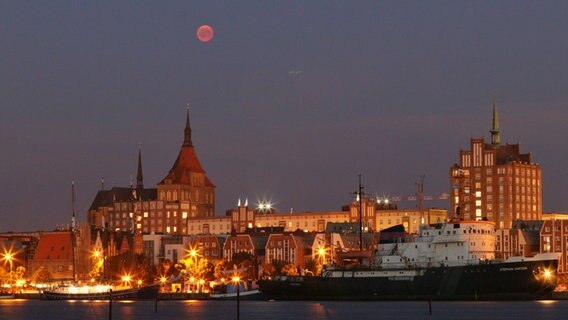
251,243
523,239
55,253
210,247
289,248
554,238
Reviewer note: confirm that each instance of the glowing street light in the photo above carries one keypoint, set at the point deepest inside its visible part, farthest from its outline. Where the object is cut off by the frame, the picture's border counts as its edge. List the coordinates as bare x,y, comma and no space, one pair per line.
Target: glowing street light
237,280
321,252
193,252
126,279
264,206
8,257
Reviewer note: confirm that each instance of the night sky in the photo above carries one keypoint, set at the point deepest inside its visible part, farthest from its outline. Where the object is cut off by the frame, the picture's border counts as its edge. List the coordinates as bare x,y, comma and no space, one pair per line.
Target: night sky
290,101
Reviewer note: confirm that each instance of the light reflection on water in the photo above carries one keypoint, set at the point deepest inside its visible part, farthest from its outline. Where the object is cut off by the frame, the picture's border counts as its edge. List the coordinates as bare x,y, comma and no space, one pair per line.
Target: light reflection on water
313,310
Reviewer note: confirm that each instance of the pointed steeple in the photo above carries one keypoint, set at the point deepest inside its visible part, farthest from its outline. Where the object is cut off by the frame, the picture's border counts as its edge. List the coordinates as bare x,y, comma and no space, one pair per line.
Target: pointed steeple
139,176
495,136
187,139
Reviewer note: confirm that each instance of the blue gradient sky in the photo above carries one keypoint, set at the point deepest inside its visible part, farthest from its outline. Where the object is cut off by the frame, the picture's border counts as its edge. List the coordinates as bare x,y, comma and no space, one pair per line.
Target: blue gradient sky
391,90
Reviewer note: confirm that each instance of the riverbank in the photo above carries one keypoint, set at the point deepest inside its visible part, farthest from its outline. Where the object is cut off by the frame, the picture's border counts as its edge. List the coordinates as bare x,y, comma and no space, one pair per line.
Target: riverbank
205,296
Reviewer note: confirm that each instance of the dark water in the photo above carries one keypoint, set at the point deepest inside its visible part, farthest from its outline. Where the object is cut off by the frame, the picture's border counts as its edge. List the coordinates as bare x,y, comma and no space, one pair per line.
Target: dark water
124,310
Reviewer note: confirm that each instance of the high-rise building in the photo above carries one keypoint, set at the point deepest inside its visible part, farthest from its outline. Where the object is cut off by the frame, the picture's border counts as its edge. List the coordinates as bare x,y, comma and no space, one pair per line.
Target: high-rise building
186,192
496,182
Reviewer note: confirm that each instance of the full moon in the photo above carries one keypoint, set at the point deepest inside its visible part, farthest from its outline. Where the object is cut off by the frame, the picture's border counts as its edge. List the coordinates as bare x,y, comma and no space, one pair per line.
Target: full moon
205,33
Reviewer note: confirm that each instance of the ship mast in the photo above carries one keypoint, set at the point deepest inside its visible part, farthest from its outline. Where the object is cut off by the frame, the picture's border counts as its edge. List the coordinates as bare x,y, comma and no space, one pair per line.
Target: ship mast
360,199
420,196
73,229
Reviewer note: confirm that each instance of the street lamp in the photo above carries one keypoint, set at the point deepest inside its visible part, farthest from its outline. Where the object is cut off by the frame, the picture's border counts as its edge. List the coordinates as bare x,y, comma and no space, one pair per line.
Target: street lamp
321,253
163,280
193,253
126,279
237,281
9,257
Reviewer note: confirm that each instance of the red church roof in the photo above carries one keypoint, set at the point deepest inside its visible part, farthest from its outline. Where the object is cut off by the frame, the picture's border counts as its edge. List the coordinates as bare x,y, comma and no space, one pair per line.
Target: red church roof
185,163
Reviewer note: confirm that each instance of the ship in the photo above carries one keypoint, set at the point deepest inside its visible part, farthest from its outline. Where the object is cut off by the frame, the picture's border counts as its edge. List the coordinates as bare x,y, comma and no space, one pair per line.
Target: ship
449,260
100,292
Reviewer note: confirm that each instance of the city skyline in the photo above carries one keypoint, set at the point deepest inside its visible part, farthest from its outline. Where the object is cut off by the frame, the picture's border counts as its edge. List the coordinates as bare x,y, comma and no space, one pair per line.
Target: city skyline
288,102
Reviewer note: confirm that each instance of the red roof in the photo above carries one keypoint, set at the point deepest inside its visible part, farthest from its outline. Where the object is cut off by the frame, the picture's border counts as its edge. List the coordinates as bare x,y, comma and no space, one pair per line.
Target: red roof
185,163
54,246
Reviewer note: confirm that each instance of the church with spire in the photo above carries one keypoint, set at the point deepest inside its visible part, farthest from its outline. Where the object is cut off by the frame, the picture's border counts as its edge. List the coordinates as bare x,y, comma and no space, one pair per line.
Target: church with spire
496,182
184,193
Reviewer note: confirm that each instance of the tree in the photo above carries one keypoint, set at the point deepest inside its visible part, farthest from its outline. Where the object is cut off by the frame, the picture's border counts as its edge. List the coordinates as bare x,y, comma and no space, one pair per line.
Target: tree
278,265
242,259
4,276
290,270
98,268
220,269
196,267
20,273
268,270
41,275
165,267
246,261
313,266
128,263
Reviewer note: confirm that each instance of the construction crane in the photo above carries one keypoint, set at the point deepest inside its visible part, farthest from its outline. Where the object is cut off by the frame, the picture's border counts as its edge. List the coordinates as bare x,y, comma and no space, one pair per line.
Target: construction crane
418,196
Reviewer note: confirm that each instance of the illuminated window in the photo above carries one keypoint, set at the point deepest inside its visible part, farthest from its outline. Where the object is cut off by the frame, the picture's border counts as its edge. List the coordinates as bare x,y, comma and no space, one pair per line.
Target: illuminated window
478,203
146,214
184,215
478,194
478,213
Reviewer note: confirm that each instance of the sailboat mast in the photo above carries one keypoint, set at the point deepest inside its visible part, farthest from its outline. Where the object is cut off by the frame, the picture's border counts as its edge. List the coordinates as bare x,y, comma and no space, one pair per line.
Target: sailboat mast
73,229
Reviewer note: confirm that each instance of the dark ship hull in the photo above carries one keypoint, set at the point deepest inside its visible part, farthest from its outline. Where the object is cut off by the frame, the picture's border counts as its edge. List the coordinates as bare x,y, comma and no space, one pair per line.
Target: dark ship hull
486,281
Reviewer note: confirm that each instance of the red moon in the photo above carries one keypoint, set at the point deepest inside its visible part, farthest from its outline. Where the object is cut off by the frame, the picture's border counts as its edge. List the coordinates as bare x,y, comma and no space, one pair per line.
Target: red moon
205,33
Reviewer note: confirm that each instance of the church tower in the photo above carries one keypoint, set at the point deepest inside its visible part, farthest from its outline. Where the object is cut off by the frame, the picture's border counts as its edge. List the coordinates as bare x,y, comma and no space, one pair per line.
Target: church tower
187,183
495,132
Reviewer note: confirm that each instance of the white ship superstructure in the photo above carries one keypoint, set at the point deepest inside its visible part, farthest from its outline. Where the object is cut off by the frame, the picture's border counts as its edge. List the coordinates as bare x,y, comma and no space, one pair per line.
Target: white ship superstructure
442,244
